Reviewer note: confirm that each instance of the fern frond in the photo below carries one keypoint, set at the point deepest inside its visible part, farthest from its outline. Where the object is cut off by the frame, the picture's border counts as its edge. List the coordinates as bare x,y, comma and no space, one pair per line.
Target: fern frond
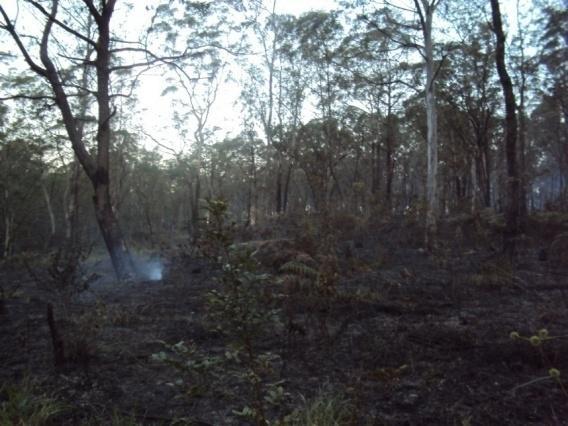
299,269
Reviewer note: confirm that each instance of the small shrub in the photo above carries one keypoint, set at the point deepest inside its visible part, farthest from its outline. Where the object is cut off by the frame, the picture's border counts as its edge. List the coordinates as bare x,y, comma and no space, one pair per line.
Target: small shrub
539,341
241,312
20,404
199,370
73,330
327,408
495,273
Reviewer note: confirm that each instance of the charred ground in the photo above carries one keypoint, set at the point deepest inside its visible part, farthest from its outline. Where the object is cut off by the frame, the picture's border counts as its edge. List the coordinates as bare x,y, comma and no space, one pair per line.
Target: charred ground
400,337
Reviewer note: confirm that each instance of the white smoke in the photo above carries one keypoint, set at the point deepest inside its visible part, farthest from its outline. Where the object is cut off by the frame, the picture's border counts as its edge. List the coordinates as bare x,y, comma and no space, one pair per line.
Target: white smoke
149,268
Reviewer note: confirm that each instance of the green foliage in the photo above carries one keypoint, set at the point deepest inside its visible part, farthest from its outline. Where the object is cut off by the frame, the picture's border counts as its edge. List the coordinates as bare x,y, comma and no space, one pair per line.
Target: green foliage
198,369
538,341
20,405
300,269
328,408
321,281
241,312
494,274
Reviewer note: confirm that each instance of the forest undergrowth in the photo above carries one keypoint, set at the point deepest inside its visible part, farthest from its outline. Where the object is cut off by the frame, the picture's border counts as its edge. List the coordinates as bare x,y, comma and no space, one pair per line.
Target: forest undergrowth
305,321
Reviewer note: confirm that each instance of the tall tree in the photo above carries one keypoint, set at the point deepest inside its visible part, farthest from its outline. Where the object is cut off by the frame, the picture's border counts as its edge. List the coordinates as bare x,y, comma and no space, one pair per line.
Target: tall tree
399,33
512,212
425,10
95,166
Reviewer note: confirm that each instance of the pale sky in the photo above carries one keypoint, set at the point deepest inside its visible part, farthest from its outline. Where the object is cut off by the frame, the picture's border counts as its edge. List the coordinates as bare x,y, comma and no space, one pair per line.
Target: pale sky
154,112
296,7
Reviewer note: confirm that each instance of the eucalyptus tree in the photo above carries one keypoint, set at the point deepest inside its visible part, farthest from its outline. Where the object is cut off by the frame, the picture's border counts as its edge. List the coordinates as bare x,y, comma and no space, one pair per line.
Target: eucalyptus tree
511,131
203,36
296,67
269,35
380,79
63,30
320,43
523,66
547,132
322,146
66,45
291,87
196,93
469,88
553,58
416,32
425,10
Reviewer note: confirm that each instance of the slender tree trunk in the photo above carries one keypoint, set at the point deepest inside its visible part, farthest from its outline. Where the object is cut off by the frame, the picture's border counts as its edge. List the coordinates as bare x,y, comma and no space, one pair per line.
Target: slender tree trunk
252,198
487,174
72,205
50,213
194,197
287,188
279,186
432,120
8,240
512,210
389,155
376,175
523,208
389,161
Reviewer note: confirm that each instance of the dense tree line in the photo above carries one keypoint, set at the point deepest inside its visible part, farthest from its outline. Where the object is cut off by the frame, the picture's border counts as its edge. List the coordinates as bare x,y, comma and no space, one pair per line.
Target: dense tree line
430,108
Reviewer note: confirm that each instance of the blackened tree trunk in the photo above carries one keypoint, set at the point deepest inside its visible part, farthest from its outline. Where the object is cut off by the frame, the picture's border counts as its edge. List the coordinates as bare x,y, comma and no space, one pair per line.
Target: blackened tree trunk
106,219
512,210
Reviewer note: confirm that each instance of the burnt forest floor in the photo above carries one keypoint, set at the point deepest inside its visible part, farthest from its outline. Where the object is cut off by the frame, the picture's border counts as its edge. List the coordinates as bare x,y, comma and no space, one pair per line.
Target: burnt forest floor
405,338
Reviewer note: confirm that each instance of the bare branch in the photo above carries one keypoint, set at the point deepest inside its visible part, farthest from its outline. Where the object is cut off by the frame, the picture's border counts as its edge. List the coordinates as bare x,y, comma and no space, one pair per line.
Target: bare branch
27,97
8,26
420,15
157,142
61,24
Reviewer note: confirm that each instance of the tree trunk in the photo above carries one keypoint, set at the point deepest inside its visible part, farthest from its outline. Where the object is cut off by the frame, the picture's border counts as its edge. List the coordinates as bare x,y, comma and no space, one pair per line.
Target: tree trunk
487,174
512,210
104,213
111,233
286,188
195,196
71,205
8,240
426,13
50,213
432,121
523,208
376,171
389,161
279,187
